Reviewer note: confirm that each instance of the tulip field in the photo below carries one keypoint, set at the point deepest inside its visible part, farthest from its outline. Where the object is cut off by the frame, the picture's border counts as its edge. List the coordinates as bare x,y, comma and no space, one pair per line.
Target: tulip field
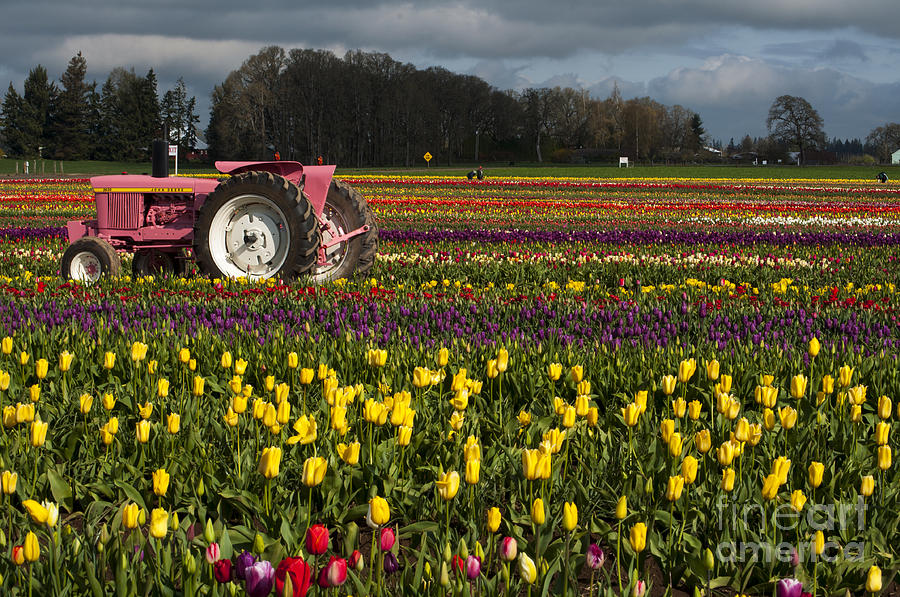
545,386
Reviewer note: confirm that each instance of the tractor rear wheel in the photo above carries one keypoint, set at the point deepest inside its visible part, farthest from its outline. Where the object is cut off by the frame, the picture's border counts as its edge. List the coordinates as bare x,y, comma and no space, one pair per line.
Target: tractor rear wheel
256,225
88,259
346,210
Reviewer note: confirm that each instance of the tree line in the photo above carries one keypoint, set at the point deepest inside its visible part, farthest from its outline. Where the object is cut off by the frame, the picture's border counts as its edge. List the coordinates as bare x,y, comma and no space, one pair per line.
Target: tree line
367,109
73,120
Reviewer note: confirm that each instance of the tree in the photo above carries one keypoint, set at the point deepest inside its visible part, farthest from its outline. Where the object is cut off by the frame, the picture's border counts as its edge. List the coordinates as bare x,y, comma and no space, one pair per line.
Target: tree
884,140
12,125
793,121
70,134
178,116
39,96
697,130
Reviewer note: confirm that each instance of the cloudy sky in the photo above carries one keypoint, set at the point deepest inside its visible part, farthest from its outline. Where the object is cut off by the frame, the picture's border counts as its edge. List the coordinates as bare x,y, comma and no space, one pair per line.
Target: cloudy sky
725,59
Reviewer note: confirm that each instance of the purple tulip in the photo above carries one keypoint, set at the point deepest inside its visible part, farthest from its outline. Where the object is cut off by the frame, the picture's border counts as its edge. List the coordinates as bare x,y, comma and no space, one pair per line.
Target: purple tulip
789,587
244,561
595,557
260,579
391,563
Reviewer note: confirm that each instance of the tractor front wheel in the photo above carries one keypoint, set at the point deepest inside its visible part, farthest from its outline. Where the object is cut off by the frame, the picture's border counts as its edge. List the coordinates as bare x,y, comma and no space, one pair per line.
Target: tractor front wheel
88,259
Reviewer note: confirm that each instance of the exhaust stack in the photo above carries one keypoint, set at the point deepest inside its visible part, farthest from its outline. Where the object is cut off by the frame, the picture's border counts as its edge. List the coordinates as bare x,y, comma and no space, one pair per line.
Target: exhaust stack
160,163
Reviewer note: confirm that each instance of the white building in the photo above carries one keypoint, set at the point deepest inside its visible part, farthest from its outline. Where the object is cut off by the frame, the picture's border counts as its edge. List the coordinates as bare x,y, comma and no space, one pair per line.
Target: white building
895,157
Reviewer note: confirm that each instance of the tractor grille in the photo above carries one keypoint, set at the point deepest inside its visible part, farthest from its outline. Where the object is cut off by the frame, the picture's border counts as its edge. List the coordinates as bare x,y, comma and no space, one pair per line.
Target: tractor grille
124,211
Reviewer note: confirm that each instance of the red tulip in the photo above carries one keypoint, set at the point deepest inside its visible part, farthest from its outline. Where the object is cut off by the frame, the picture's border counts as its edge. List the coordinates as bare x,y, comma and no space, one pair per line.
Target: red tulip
357,562
317,539
459,564
337,571
299,573
222,570
387,539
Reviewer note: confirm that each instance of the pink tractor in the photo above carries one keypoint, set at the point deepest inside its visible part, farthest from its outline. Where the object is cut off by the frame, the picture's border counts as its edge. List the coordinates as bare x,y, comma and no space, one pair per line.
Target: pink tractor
268,219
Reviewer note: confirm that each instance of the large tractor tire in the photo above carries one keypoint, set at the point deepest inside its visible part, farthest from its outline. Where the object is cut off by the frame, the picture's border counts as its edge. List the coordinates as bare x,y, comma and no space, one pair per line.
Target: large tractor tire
345,210
88,259
256,225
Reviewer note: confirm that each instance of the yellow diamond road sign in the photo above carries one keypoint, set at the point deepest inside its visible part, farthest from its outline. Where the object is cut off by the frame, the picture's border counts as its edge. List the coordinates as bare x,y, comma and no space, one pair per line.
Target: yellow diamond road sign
427,156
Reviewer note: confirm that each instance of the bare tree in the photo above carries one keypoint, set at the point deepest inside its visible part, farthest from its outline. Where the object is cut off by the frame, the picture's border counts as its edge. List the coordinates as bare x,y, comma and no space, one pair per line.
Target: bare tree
793,121
885,140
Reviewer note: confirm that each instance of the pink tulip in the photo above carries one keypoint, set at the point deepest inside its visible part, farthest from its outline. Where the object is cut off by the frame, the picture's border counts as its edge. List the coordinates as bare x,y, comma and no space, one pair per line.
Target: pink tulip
337,571
387,539
212,553
595,557
639,589
508,549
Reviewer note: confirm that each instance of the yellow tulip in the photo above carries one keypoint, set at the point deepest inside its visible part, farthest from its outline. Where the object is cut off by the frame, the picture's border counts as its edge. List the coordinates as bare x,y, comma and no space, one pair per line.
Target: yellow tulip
788,417
554,371
689,469
675,487
85,401
538,516
577,373
668,384
882,430
293,360
781,466
502,359
816,472
24,413
9,481
814,347
582,406
231,417
770,487
640,398
130,514
7,345
695,408
527,569
742,430
766,380
679,407
270,462
34,392
712,370
819,543
448,485
142,431
109,360
443,356
884,457
109,401
845,375
638,537
39,513
798,386
240,366
160,482
349,453
457,419
404,435
38,433
473,471
873,579
556,437
570,516
226,360
569,417
159,523
492,370
728,479
270,415
460,400
867,485
530,464
322,372
173,423
493,519
24,358
379,511
884,407
32,547
703,441
592,416
10,417
306,376
798,500
769,419
622,508
41,366
146,410
631,413
138,351
314,469
666,429
675,445
827,384
686,370
856,413
724,383
755,434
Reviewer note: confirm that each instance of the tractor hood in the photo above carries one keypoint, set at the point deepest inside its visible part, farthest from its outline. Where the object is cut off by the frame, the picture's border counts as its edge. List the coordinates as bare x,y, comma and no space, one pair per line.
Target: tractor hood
141,183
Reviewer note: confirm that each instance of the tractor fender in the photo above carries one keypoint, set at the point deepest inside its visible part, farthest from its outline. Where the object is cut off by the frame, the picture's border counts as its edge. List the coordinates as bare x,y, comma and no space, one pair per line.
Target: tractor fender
313,180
